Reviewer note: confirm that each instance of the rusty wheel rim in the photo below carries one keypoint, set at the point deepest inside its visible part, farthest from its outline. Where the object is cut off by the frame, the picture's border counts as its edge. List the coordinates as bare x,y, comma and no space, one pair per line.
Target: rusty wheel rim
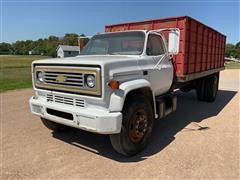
138,126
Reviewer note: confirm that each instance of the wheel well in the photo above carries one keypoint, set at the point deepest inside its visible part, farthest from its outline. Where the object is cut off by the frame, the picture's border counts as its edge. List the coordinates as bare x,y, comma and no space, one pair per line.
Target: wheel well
145,91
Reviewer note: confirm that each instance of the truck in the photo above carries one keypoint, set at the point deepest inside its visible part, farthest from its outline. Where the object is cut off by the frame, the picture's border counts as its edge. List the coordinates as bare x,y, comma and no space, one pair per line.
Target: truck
127,78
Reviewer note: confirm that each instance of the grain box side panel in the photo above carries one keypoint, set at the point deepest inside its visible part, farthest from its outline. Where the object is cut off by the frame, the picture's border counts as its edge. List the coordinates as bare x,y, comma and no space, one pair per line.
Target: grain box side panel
201,47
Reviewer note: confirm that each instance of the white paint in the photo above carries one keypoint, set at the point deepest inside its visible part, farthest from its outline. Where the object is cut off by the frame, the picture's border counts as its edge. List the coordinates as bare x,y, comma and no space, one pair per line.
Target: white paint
103,114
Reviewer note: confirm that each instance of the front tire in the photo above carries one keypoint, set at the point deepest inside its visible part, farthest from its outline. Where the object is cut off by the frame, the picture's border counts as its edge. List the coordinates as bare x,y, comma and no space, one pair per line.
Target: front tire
137,125
53,126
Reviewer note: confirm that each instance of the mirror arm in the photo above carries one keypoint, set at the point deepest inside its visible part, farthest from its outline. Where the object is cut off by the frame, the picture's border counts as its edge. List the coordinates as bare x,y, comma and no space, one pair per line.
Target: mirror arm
160,60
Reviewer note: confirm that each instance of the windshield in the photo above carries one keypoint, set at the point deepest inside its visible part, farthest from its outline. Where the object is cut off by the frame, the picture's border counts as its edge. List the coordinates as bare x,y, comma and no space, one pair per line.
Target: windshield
122,43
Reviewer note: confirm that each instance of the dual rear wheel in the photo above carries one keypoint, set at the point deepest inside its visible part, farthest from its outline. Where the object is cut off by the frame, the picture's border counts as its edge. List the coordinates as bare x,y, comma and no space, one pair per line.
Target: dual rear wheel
207,88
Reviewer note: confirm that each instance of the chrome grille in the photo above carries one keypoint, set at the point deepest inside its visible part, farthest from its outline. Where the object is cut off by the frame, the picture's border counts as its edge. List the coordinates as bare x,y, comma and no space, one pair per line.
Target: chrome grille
49,97
79,102
67,79
70,79
65,100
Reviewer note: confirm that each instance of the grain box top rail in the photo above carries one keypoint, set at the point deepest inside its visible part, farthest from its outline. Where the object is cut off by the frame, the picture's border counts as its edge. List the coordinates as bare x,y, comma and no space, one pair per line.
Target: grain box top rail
159,19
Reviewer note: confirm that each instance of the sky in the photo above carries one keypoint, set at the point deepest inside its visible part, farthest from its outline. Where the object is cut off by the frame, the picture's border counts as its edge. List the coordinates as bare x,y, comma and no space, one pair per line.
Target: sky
34,19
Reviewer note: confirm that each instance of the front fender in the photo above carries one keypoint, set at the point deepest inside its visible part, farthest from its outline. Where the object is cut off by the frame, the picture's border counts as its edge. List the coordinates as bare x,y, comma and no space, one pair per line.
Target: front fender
117,98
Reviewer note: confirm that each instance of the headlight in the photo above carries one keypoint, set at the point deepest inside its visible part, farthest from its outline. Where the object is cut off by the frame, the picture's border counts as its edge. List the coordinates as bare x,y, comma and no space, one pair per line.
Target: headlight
40,76
90,80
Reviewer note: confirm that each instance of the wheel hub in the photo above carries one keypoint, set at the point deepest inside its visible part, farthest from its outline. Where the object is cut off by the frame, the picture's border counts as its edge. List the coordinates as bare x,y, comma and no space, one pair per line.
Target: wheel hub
138,126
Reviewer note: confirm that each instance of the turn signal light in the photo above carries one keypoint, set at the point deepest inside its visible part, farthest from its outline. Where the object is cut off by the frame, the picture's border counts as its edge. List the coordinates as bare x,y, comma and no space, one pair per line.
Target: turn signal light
114,84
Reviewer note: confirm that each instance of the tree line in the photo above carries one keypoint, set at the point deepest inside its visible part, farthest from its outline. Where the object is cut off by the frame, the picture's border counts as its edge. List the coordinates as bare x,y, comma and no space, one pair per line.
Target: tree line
233,50
45,46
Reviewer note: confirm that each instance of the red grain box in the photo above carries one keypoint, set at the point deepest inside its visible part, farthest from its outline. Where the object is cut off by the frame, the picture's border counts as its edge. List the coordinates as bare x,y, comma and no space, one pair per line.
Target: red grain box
201,47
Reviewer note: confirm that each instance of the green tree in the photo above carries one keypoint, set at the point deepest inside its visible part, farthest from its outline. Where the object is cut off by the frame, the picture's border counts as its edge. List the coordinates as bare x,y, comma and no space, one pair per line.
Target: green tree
6,48
45,46
238,45
71,39
233,50
19,47
229,49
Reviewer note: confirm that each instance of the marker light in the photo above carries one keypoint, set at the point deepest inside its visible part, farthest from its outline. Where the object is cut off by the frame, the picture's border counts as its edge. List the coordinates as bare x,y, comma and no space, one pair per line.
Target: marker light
114,84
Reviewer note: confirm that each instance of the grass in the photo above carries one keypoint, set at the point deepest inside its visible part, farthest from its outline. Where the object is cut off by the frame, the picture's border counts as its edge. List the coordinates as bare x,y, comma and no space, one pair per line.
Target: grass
15,71
232,65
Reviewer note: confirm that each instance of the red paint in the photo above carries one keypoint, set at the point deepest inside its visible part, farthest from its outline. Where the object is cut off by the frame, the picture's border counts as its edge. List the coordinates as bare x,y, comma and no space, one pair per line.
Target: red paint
81,43
201,47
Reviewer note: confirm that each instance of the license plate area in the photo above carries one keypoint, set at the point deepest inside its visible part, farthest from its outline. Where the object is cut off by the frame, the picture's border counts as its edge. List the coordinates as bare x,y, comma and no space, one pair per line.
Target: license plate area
60,114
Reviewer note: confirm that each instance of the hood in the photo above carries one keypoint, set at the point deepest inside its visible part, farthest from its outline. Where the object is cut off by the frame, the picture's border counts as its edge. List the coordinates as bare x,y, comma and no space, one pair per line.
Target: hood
101,60
110,64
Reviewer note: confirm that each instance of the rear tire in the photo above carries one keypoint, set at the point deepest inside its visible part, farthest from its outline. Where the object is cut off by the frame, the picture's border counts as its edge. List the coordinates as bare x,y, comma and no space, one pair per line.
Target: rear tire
211,87
200,89
137,125
53,126
207,88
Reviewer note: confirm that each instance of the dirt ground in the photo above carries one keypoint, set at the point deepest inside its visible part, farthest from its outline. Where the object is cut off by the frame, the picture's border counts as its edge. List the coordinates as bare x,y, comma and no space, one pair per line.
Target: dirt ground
200,140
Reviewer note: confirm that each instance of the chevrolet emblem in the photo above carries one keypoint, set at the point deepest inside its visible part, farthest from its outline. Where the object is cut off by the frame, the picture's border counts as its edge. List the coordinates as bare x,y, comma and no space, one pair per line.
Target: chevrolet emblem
61,78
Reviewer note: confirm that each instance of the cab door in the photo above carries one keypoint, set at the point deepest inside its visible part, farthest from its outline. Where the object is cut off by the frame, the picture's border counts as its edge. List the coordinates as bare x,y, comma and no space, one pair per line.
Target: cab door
161,72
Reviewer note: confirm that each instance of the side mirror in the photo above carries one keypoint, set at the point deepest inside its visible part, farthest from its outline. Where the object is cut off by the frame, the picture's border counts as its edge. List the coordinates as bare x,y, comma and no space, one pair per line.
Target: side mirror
173,41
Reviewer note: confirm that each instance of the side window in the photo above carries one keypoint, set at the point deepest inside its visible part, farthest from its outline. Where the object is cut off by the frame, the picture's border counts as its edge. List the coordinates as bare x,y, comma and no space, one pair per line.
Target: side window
155,45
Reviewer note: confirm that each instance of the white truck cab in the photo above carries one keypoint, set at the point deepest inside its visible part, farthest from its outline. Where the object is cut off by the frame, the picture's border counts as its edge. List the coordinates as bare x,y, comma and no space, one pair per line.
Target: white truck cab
119,85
